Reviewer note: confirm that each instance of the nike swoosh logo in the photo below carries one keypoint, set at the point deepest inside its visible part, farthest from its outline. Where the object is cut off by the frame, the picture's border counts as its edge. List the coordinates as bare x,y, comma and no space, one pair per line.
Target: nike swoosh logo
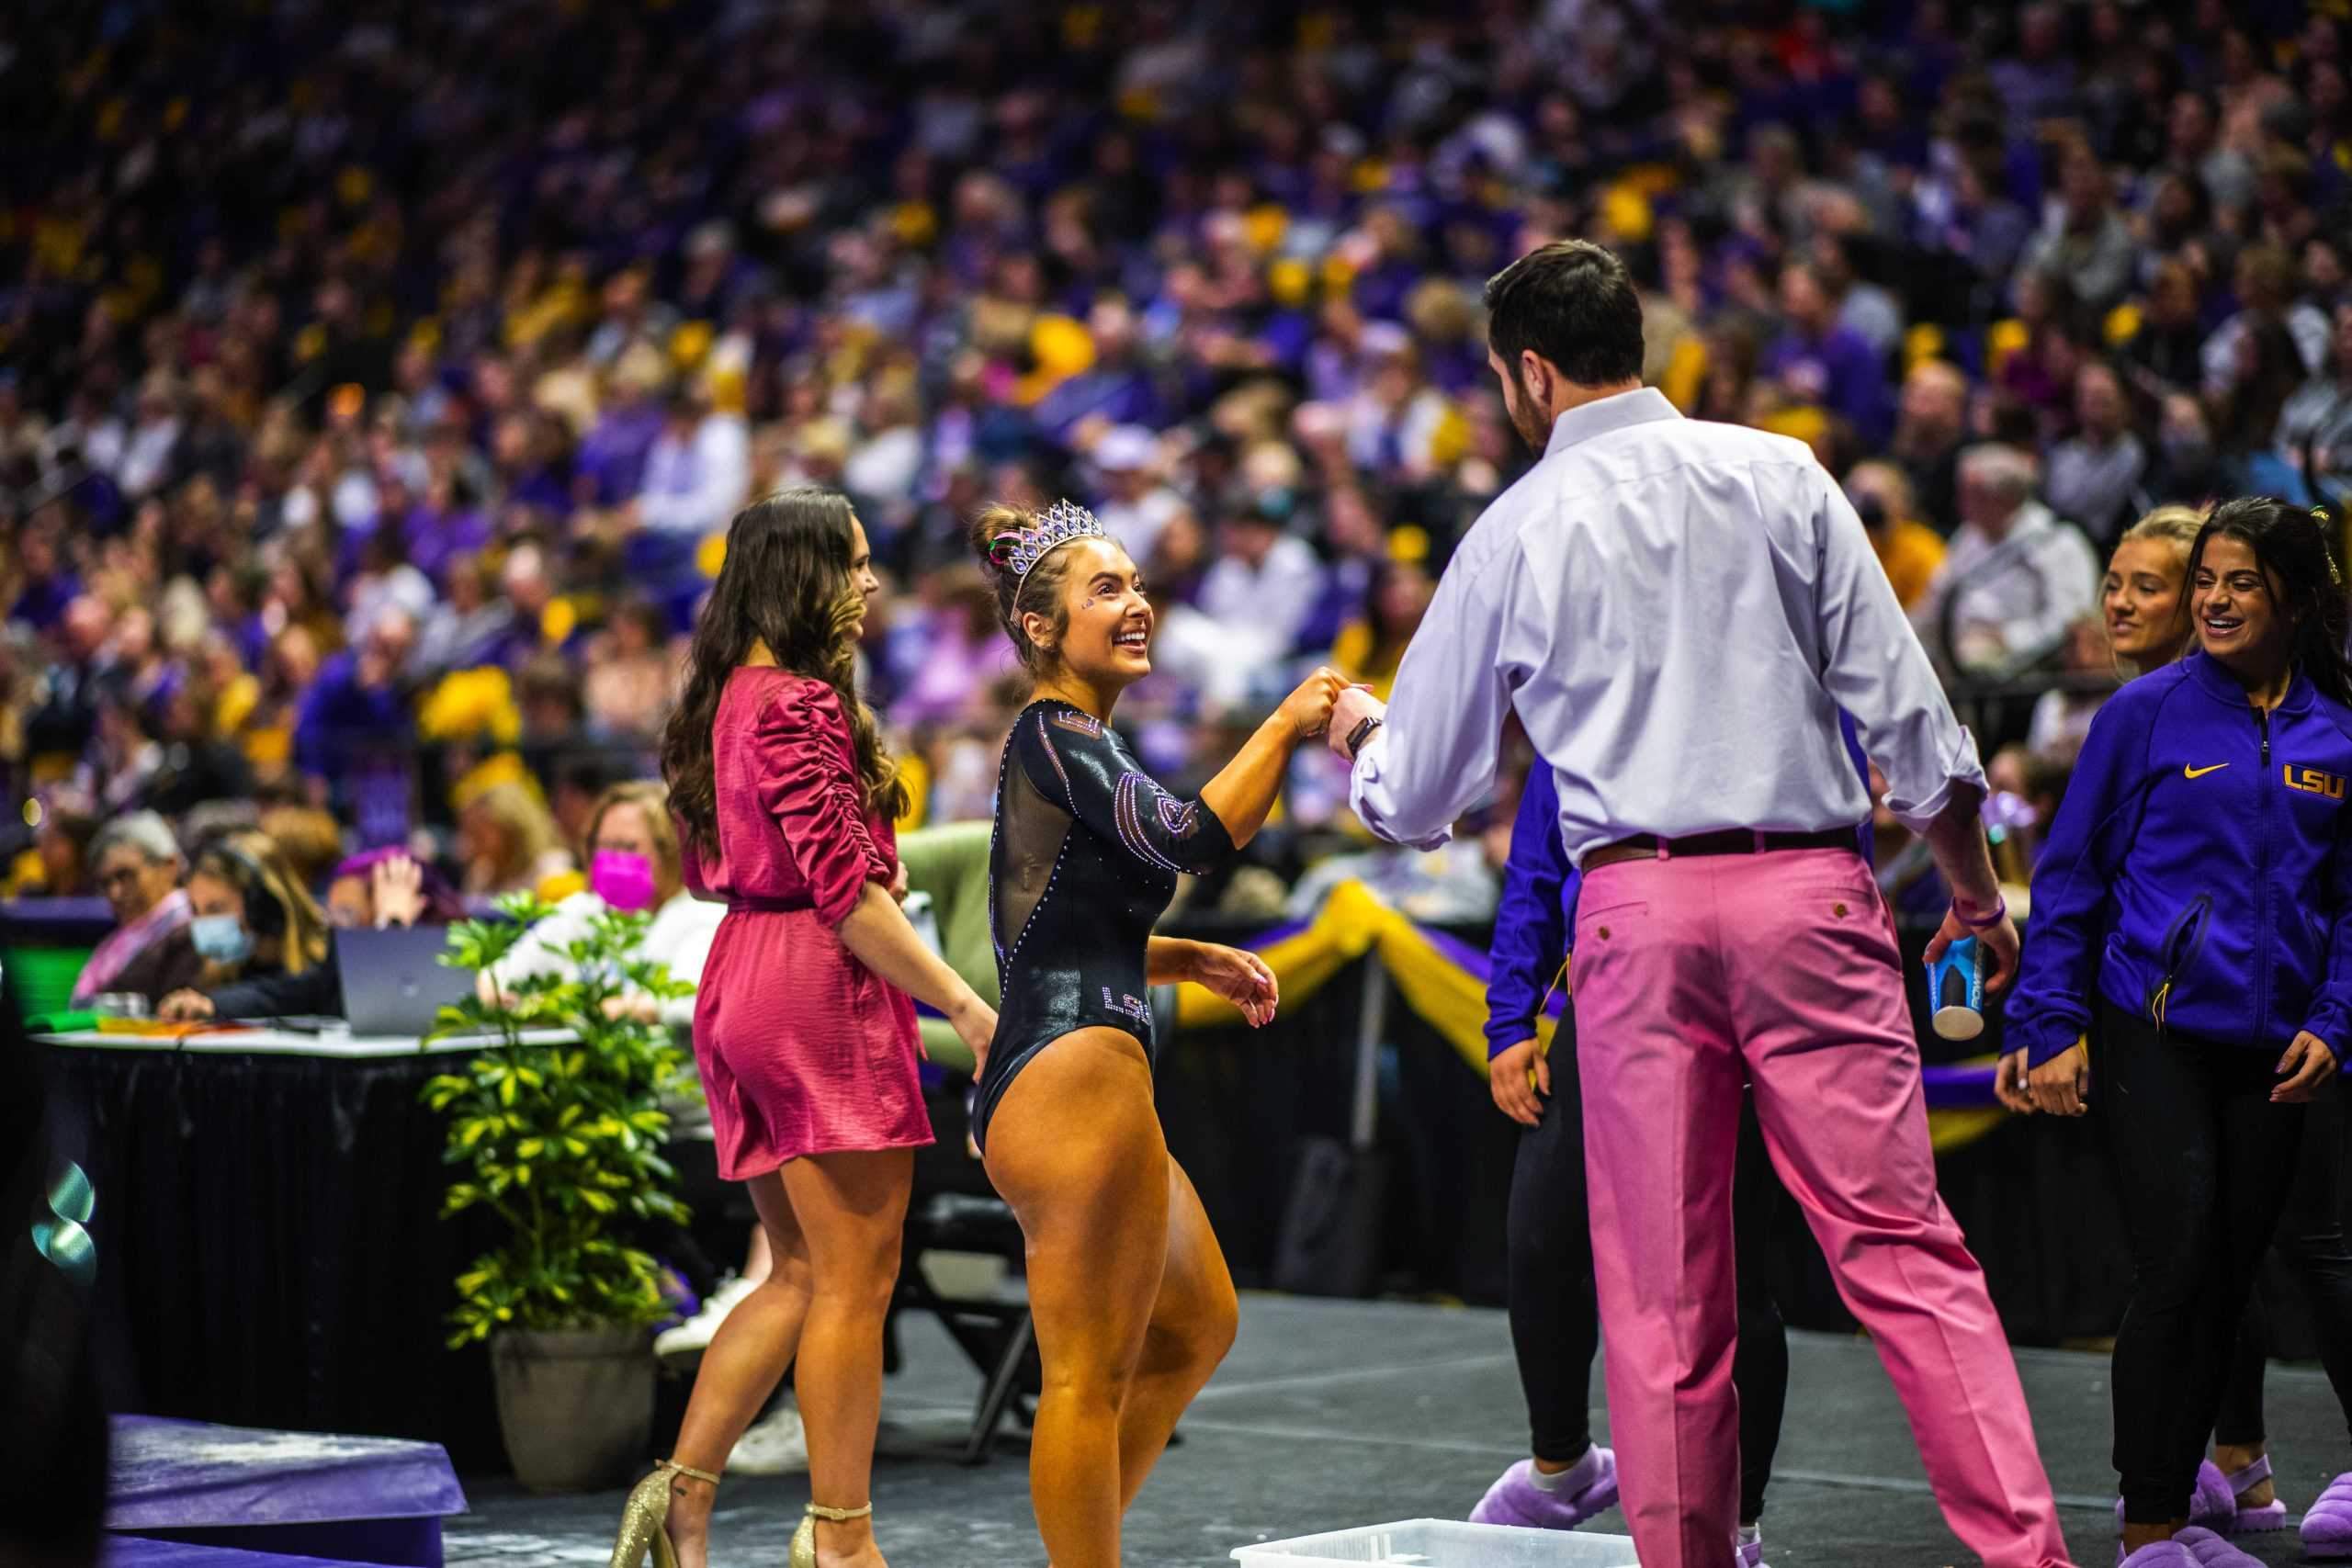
2187,773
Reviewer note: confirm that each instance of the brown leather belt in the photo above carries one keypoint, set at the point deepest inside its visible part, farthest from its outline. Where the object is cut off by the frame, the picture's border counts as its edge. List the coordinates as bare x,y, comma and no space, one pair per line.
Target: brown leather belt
1730,841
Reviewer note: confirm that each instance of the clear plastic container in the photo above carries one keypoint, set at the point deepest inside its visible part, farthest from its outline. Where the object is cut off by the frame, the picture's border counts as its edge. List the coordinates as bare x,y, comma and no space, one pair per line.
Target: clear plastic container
1446,1543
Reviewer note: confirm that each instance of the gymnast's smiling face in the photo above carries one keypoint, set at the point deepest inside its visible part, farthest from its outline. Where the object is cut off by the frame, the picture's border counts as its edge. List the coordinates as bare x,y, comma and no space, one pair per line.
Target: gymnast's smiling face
1106,620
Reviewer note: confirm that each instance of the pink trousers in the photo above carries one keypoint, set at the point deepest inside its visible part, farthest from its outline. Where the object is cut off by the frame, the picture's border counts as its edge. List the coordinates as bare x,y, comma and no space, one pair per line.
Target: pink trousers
1693,977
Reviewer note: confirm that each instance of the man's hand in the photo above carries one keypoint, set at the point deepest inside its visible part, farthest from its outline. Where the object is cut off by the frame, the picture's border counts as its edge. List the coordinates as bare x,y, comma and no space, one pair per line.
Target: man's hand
1354,706
2061,1085
1997,942
1507,1078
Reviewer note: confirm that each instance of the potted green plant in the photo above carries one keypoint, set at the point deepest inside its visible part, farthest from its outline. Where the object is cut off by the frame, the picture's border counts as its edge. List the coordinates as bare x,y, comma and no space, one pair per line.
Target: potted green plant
556,1129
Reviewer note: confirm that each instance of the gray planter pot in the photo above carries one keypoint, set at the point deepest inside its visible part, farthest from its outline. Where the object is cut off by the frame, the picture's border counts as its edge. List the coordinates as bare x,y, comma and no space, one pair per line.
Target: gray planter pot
575,1405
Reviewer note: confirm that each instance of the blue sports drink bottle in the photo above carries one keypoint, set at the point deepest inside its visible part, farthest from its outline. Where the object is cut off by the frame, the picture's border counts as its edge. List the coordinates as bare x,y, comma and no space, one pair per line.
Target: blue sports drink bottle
1956,992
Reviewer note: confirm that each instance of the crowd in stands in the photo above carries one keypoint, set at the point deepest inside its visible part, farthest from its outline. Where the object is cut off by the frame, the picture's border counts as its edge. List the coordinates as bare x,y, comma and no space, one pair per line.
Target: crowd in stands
377,379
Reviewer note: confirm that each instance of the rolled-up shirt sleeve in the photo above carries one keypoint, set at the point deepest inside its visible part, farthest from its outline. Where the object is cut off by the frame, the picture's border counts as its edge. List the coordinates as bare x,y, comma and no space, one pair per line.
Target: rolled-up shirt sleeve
1876,671
1434,757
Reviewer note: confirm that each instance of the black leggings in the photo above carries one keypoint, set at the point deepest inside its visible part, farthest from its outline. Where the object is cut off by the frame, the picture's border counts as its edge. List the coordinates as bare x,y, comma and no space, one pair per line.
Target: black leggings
2204,1162
1555,1324
2311,1242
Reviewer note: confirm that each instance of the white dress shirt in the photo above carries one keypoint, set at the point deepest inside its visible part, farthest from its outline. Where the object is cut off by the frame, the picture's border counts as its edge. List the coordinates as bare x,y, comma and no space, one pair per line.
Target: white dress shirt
1676,610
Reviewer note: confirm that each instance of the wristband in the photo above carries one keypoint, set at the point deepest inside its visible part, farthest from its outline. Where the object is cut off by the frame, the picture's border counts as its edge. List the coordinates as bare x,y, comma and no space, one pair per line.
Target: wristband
2000,912
1362,733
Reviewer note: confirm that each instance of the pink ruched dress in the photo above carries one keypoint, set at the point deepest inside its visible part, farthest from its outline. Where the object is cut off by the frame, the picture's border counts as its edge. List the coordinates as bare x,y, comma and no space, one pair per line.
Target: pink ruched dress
803,1049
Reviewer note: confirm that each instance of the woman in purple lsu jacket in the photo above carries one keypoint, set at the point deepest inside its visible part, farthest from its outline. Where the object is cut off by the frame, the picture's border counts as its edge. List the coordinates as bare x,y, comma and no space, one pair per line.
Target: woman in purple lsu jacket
2204,838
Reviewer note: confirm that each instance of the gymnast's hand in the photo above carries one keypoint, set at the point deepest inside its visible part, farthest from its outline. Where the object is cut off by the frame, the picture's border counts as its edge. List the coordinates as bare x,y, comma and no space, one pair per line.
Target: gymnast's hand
2061,1085
974,1024
1309,707
1506,1077
2310,1062
1241,978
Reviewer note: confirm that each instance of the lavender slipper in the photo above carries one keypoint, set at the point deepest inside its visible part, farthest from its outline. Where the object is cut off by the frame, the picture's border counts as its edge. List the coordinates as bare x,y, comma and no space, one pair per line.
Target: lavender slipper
1514,1499
2271,1515
2327,1528
2211,1552
2158,1554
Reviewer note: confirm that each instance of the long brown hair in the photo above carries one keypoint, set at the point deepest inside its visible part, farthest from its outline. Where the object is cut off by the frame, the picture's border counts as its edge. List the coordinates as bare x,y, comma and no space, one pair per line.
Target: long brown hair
287,927
785,582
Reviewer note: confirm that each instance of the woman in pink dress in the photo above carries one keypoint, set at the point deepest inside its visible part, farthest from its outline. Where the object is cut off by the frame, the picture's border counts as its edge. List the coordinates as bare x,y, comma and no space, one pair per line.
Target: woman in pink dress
803,1030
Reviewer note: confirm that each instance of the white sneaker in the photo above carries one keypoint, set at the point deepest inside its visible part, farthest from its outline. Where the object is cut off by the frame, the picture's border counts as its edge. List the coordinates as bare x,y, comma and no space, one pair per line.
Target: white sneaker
776,1445
693,1336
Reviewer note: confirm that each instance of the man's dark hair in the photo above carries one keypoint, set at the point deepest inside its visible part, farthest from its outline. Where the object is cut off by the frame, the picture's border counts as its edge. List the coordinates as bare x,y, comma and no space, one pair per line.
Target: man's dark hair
1572,303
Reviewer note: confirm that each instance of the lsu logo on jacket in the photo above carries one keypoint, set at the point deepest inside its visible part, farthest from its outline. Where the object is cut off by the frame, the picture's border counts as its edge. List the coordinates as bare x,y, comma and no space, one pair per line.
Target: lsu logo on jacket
2311,780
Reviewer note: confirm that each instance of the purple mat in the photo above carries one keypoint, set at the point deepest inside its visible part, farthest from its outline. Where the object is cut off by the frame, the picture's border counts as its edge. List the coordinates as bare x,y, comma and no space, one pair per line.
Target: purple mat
137,1552
178,1474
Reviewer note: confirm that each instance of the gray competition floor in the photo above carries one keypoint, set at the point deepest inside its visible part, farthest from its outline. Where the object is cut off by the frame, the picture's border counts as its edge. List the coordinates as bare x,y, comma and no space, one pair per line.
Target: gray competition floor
1333,1414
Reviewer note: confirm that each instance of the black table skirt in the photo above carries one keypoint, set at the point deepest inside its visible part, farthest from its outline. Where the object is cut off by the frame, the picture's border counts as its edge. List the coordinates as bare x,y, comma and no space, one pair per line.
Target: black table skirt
270,1246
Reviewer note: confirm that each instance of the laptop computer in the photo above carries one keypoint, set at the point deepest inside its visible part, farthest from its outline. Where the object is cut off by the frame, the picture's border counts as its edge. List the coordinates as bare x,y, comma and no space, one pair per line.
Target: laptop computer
393,980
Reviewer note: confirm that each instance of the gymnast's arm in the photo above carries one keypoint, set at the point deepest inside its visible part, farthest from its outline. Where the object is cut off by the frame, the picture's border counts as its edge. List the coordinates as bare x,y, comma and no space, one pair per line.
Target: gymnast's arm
1244,789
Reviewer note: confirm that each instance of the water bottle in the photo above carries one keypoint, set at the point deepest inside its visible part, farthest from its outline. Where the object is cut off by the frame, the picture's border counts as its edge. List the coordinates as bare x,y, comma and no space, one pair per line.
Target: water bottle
1956,992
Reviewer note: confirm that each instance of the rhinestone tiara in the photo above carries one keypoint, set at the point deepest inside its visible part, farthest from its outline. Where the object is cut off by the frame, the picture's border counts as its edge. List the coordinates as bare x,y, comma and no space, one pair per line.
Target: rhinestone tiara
1018,550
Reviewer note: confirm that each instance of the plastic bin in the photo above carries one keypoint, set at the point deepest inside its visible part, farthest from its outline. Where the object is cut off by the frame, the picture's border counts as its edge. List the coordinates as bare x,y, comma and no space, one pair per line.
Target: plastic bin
1446,1543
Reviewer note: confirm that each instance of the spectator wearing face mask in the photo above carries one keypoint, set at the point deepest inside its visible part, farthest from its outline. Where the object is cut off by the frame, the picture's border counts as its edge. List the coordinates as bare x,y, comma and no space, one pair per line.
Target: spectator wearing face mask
263,942
631,847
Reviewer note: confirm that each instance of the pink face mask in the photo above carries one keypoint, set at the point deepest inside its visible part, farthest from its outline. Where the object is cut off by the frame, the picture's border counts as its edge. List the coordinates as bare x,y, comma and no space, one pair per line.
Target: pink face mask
622,879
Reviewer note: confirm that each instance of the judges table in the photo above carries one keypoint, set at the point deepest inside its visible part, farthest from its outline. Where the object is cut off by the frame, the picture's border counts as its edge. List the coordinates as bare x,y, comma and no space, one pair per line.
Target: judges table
271,1250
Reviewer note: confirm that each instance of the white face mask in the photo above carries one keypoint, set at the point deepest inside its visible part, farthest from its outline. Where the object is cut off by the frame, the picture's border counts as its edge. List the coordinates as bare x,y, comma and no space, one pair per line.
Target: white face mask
220,939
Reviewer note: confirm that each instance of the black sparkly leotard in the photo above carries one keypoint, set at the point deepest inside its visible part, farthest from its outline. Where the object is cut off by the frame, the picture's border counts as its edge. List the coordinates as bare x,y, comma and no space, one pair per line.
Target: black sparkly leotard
1082,863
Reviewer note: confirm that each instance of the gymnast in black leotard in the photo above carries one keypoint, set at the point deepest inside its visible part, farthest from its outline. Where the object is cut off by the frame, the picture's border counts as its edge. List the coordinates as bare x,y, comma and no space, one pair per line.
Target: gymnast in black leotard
1081,865
1127,1288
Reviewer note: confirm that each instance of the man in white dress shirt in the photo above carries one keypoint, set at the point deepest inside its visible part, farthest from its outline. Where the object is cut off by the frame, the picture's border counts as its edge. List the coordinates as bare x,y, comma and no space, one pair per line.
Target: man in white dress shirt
1677,610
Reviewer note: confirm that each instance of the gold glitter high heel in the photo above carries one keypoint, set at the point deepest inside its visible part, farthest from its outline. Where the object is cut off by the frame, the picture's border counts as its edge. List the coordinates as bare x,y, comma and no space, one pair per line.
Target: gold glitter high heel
645,1517
804,1539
